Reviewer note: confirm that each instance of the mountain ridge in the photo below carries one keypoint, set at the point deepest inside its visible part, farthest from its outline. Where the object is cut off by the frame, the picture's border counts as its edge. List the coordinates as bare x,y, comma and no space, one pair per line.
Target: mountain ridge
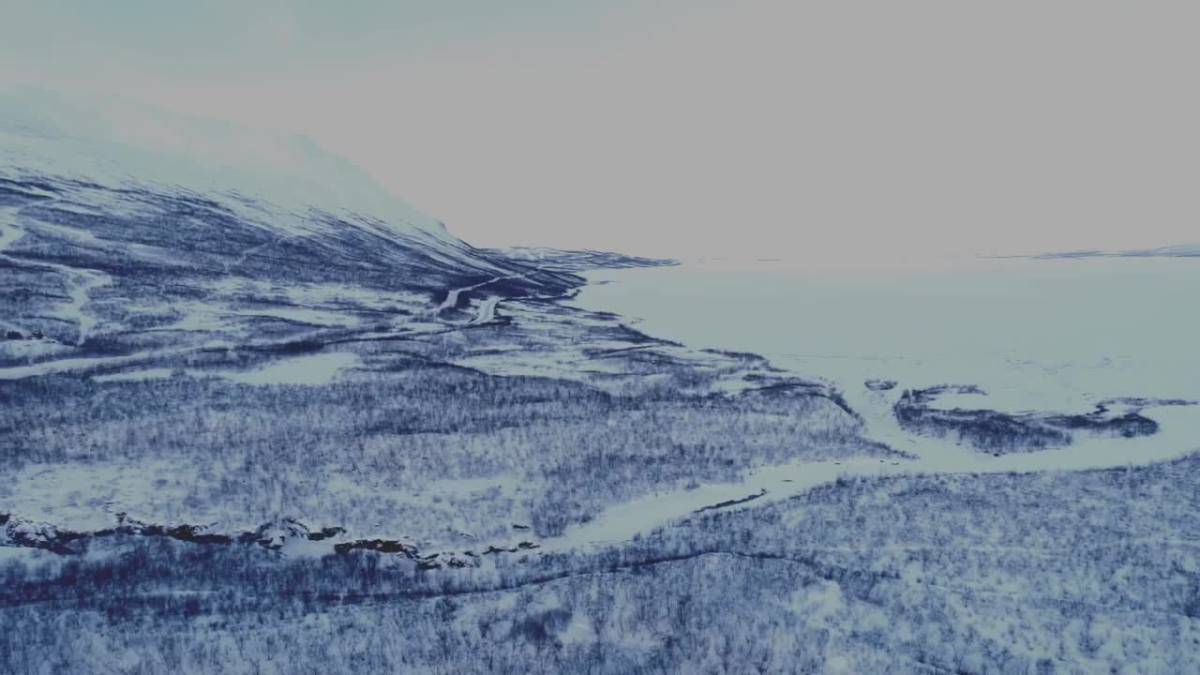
1170,251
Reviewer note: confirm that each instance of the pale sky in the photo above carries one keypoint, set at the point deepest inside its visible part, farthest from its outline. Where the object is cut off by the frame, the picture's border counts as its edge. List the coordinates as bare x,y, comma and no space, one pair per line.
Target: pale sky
694,128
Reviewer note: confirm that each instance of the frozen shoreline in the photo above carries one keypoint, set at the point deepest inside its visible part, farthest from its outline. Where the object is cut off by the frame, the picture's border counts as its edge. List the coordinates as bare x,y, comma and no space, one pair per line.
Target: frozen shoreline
1178,435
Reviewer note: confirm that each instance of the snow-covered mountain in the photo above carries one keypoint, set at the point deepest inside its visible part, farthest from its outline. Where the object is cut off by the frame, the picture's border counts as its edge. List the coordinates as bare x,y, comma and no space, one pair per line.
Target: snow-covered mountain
1173,251
75,143
577,260
113,215
120,144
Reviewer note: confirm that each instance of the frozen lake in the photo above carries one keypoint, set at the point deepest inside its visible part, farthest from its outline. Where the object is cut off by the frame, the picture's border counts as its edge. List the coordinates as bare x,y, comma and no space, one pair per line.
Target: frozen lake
1036,335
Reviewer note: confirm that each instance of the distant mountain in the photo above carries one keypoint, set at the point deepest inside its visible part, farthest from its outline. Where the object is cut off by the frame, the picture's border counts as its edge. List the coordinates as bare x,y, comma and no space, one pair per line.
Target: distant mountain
1176,251
117,144
578,260
120,224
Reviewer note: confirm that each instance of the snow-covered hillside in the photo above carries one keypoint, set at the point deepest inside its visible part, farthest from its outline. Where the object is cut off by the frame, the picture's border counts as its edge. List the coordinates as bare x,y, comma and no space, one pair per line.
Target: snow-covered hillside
136,216
283,183
122,144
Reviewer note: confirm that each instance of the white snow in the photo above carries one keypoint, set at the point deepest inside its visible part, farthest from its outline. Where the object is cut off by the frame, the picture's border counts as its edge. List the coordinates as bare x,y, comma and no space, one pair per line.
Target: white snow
30,349
317,317
87,363
453,294
215,316
314,369
87,496
83,281
115,142
579,632
136,375
487,310
26,555
284,184
9,232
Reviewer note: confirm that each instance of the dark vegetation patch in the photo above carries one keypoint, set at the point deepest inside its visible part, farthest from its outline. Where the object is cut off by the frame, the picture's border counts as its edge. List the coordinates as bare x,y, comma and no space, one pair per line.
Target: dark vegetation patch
1000,432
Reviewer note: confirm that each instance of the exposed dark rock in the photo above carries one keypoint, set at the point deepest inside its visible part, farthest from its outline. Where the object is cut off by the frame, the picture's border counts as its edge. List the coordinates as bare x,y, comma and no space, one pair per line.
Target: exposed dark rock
377,545
731,502
17,532
197,535
275,534
325,533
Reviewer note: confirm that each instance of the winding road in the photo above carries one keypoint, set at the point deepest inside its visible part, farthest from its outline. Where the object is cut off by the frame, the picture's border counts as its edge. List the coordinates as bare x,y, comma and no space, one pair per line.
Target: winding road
453,294
486,311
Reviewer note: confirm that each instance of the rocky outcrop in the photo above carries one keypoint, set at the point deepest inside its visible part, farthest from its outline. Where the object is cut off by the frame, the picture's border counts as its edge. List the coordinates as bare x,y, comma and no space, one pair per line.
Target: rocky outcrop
274,535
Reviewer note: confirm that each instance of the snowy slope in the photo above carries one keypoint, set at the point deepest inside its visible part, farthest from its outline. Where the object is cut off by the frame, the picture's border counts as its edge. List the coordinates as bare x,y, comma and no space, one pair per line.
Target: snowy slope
126,231
117,145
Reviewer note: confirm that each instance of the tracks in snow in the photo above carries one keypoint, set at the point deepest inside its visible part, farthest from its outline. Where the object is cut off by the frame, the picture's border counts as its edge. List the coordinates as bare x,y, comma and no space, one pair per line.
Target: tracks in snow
486,312
452,295
83,281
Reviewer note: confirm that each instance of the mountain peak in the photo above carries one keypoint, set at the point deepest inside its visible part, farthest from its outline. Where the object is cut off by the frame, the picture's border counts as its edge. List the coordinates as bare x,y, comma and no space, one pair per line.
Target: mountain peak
120,143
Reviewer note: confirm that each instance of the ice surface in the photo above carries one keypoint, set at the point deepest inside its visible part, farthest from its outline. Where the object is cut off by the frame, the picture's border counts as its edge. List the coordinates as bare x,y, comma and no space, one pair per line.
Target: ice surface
1063,341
